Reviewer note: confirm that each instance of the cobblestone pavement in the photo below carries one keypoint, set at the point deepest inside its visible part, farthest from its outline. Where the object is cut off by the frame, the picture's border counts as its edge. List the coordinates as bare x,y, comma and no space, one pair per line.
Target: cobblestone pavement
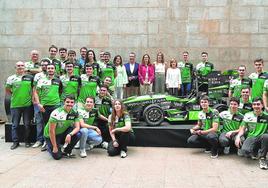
144,167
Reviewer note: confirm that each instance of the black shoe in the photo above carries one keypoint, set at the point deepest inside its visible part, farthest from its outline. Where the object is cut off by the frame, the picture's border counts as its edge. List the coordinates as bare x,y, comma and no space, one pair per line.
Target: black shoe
27,144
68,155
14,145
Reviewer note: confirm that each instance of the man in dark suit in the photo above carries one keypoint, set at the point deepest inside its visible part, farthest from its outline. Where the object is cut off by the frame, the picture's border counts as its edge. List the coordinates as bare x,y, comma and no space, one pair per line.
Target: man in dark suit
132,88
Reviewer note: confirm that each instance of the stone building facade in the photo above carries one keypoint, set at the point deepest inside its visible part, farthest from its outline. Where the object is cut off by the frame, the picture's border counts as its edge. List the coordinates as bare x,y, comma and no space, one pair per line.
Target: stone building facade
233,32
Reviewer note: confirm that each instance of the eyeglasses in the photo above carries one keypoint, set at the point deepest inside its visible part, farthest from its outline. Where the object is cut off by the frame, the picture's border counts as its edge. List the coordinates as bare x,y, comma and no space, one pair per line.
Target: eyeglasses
241,70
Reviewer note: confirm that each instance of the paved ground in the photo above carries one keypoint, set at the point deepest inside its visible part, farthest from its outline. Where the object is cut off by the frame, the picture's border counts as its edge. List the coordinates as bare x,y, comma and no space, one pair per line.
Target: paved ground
144,167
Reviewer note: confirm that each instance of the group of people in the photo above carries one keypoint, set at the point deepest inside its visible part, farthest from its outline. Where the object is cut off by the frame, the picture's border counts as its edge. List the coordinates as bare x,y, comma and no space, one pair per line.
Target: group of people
244,126
76,102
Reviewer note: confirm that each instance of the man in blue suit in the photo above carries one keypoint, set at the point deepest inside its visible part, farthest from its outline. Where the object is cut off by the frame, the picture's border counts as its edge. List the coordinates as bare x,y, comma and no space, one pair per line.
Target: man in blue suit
132,67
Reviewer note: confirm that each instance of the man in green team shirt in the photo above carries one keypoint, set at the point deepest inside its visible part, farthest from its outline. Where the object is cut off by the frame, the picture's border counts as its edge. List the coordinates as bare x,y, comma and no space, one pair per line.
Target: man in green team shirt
19,86
245,105
53,50
254,127
47,94
258,78
108,68
186,68
202,70
33,66
90,133
230,121
205,132
37,113
237,84
72,59
62,128
63,55
204,67
104,105
89,85
70,82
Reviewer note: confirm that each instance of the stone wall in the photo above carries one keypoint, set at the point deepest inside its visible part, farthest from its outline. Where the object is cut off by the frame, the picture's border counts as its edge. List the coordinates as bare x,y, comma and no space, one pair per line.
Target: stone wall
232,31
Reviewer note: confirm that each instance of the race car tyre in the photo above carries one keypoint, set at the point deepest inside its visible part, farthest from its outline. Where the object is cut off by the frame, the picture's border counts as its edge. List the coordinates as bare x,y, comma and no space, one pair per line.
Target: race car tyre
153,115
220,107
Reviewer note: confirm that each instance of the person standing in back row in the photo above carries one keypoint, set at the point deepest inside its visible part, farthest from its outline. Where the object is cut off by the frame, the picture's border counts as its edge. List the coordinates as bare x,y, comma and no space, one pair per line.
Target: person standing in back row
132,69
19,86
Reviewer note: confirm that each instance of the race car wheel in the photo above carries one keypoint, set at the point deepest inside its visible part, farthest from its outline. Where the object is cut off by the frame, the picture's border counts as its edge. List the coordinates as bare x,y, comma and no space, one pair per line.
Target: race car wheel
220,107
153,115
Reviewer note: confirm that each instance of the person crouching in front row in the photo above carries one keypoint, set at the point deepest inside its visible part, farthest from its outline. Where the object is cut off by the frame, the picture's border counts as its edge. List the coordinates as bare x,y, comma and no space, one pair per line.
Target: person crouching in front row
120,130
205,132
62,128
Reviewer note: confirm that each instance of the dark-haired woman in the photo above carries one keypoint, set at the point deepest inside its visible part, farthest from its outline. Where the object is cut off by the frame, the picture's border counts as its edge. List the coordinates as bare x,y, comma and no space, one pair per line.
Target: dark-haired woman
120,130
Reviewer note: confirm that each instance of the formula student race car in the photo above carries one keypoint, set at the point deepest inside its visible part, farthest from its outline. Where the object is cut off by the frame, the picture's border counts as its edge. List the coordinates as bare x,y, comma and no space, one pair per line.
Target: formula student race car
154,109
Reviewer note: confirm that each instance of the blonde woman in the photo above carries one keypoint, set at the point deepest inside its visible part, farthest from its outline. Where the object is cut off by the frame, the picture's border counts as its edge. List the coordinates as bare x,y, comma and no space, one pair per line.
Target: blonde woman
160,72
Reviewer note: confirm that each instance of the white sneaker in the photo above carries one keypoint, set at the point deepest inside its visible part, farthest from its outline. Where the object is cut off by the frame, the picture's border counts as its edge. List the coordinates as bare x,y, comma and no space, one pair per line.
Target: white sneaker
104,145
77,145
263,164
123,154
89,147
83,153
226,150
44,146
37,144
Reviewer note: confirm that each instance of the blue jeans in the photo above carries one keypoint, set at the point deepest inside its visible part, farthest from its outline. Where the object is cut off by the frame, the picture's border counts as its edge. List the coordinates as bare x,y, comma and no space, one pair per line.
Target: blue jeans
186,89
60,139
89,135
16,113
39,124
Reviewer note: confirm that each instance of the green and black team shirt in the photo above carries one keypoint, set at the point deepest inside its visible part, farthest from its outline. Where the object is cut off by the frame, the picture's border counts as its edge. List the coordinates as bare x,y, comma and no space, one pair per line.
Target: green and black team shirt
186,71
245,107
207,119
204,69
89,85
49,91
31,66
237,85
229,121
96,68
70,85
104,106
265,88
258,84
57,64
21,90
63,120
108,70
255,125
38,76
120,122
89,116
78,69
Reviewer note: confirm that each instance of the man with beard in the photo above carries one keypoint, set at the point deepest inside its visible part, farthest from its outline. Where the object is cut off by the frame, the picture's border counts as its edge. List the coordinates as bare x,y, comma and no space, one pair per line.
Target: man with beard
81,60
47,95
37,113
62,128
